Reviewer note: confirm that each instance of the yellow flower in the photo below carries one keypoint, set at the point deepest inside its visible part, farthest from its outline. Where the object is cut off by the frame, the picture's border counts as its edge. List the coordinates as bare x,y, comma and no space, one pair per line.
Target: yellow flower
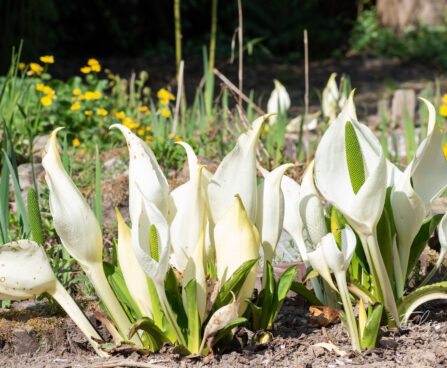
92,62
101,112
444,99
22,66
35,68
75,106
75,142
140,131
178,139
128,122
88,112
81,97
48,90
47,59
120,115
76,91
148,139
443,110
170,135
90,95
163,94
165,113
40,87
164,101
148,128
46,100
73,98
96,68
86,69
144,109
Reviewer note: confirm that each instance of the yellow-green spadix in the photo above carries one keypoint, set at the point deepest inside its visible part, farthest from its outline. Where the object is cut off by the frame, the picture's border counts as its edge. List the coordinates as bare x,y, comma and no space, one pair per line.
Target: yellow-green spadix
76,225
237,241
25,273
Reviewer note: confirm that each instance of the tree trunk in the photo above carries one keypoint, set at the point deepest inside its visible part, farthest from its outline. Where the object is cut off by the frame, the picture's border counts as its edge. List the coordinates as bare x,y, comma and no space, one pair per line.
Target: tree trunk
400,14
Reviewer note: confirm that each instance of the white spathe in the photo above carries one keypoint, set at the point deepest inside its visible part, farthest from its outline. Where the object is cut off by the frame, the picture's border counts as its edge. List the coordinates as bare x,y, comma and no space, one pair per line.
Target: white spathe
279,101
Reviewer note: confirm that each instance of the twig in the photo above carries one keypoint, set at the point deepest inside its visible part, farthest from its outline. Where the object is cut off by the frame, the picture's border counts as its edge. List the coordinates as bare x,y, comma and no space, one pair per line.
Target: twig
241,50
125,363
179,96
238,91
306,76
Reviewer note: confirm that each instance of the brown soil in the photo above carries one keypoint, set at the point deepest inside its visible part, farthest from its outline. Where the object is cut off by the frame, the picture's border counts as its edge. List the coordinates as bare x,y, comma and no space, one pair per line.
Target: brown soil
33,339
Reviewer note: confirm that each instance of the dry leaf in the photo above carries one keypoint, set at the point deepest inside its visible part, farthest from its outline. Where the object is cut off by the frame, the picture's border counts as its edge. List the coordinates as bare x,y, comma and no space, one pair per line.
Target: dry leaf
331,347
323,316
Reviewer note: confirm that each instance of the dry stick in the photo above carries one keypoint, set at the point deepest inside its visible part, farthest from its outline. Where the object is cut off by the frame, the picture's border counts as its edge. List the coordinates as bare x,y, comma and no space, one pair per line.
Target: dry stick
179,96
213,35
178,34
241,50
306,76
236,90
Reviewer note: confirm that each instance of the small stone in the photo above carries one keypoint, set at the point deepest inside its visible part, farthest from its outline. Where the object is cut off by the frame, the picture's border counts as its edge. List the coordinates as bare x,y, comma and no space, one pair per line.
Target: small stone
24,342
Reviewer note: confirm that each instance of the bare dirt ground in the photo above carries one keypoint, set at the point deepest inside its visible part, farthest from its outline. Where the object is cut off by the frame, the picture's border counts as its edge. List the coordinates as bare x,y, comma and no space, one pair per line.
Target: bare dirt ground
56,342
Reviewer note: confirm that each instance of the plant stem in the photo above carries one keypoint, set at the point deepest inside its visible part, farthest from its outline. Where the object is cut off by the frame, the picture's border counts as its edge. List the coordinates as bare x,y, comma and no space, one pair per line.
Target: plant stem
178,34
350,319
241,50
213,36
78,317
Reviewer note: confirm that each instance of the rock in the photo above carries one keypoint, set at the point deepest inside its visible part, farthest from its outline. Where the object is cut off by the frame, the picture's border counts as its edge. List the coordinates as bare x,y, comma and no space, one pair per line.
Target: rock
39,143
24,341
403,99
114,167
210,164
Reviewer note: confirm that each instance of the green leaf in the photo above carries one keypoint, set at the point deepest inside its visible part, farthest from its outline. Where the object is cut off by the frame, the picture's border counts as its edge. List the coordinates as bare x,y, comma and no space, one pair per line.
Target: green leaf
282,288
357,289
23,216
256,313
302,290
354,158
193,317
234,284
4,204
148,325
425,232
385,241
175,299
407,304
371,330
118,285
34,217
266,296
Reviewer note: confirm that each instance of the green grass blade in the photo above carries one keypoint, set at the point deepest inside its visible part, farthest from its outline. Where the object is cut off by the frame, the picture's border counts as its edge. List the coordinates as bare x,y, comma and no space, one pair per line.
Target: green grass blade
193,317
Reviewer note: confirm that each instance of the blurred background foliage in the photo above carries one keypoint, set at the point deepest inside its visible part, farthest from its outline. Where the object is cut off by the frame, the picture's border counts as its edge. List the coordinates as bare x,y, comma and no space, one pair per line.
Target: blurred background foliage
141,28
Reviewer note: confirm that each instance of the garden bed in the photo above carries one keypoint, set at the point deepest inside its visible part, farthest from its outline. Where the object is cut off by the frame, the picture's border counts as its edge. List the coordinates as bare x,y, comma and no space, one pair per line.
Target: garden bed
38,338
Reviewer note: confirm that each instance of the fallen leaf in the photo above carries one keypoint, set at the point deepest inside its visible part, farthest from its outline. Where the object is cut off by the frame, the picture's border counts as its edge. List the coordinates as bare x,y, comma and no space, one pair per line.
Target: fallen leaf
322,316
331,347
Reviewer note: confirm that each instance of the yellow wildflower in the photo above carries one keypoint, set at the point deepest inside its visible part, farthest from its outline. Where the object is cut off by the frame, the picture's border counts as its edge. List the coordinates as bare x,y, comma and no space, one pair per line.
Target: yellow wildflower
88,112
73,98
178,139
75,106
81,97
75,142
96,68
164,101
47,59
101,112
90,95
163,94
443,110
165,113
40,87
148,128
140,131
46,100
120,115
144,109
35,68
22,66
76,91
149,139
444,99
86,69
170,135
129,123
92,62
48,90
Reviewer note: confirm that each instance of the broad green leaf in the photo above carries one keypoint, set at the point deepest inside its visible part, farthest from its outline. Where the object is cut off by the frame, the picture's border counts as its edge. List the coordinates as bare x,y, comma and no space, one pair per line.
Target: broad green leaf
175,299
385,239
282,288
118,285
354,158
256,313
302,290
148,325
369,337
193,317
407,304
35,220
234,284
425,232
